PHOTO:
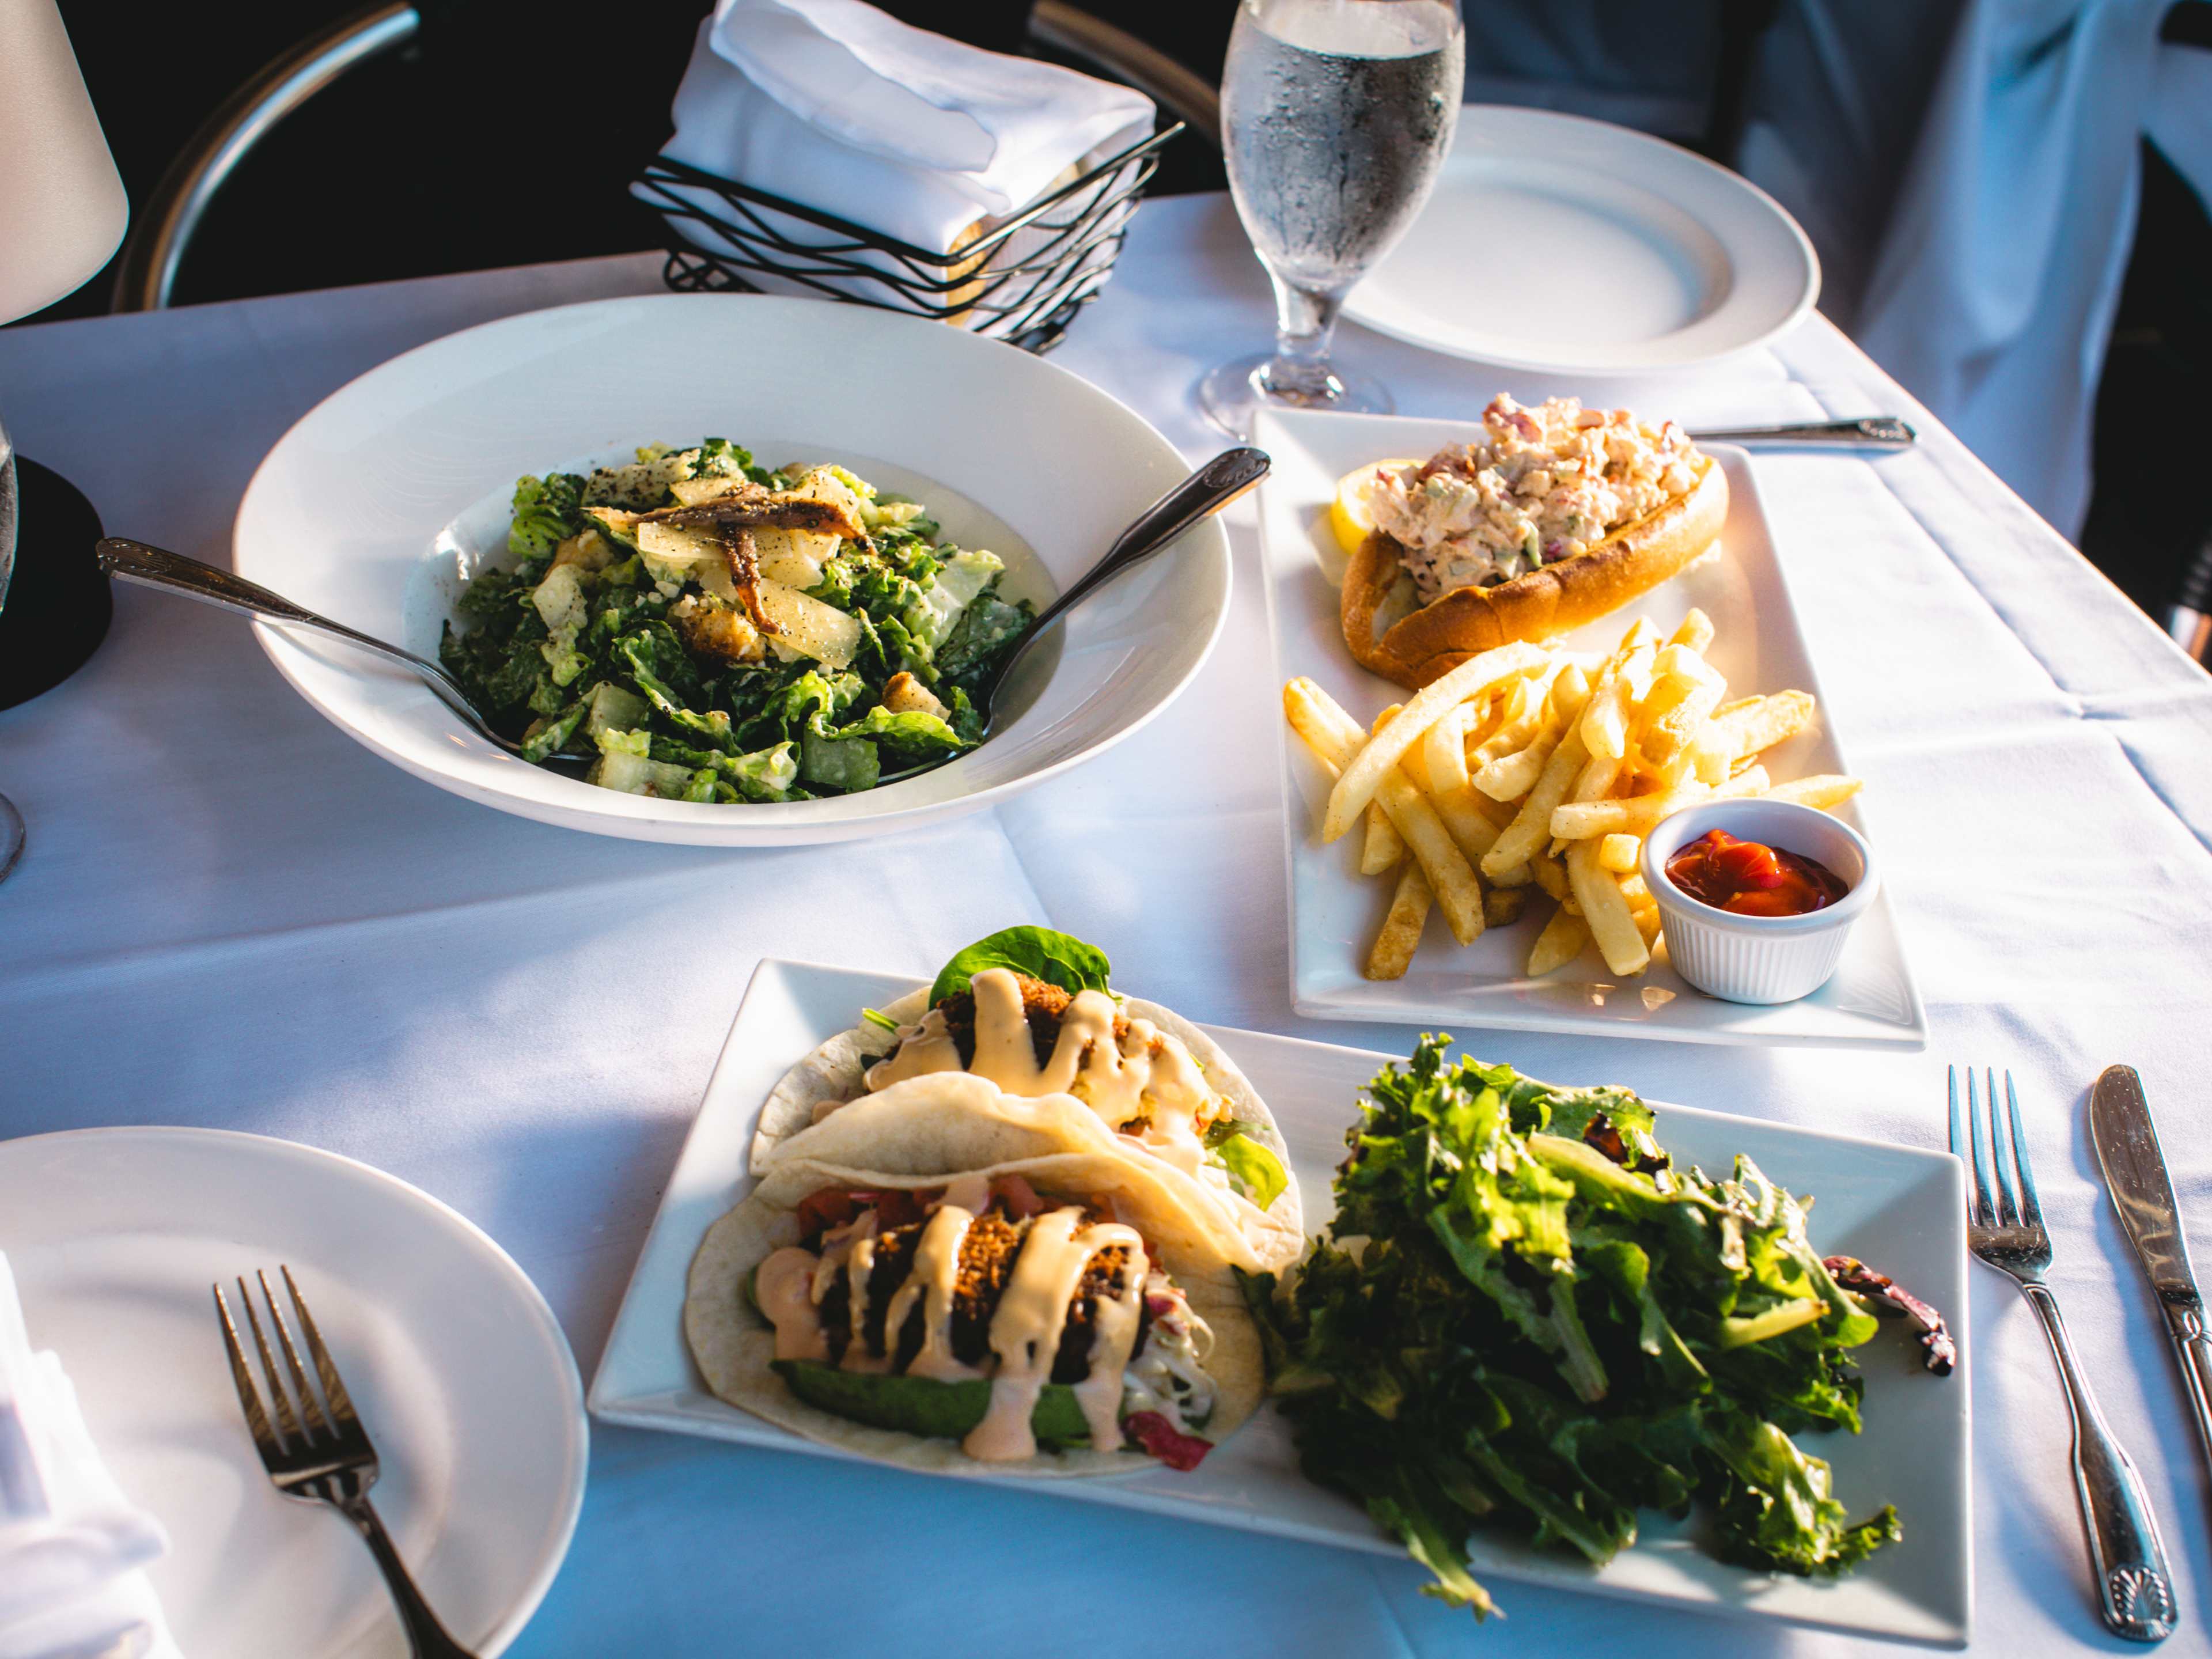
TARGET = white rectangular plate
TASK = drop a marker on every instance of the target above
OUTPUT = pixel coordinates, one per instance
(1336, 911)
(1902, 1208)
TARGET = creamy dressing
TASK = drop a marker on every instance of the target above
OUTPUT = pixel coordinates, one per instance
(970, 1192)
(936, 1265)
(1025, 1332)
(1147, 1078)
(783, 1288)
(922, 1049)
(860, 1262)
(1114, 1333)
(1026, 1329)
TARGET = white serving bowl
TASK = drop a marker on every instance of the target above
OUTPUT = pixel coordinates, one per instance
(1759, 958)
(386, 495)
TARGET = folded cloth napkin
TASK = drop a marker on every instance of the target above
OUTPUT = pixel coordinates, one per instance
(840, 108)
(71, 1546)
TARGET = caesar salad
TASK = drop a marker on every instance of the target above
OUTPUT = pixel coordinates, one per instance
(710, 630)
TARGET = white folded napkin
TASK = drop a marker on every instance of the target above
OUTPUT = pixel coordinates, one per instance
(841, 108)
(71, 1546)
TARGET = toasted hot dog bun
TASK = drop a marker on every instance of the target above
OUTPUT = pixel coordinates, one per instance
(1437, 637)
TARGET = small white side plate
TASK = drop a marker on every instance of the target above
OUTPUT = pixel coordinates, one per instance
(459, 1369)
(1334, 910)
(1902, 1208)
(1561, 245)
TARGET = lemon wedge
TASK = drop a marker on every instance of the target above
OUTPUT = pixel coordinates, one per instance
(1349, 518)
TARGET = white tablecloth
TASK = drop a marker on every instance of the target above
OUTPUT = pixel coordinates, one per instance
(231, 915)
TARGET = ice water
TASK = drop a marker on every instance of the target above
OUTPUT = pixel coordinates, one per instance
(1336, 115)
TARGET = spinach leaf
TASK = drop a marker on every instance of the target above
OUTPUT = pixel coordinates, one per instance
(1039, 952)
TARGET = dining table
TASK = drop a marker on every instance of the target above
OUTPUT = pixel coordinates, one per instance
(231, 914)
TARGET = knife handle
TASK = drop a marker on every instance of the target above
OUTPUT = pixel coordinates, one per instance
(2194, 1348)
(2133, 1584)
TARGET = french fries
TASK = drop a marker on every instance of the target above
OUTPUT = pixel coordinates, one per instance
(1363, 776)
(1380, 853)
(1334, 738)
(1394, 948)
(1531, 770)
(1559, 944)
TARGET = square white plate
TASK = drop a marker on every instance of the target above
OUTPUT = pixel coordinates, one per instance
(1334, 910)
(1901, 1207)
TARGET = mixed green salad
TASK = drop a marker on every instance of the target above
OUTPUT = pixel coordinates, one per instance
(713, 630)
(1524, 1314)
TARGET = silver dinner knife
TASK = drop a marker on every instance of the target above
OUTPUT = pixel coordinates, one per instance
(2135, 1174)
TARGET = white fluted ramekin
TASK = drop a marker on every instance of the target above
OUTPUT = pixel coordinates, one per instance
(1759, 958)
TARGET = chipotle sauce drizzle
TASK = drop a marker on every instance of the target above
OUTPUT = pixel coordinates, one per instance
(1750, 879)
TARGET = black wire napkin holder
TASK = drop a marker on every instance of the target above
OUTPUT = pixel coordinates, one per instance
(1023, 280)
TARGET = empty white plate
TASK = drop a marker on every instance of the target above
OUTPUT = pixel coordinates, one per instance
(1560, 245)
(460, 1374)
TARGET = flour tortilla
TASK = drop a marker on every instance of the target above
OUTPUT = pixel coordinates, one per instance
(823, 1082)
(733, 1345)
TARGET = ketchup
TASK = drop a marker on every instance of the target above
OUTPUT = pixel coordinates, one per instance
(1751, 880)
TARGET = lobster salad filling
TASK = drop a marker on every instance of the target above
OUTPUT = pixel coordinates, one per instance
(1542, 484)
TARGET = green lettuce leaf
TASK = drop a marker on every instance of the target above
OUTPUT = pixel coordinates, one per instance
(1256, 1171)
(1039, 952)
(1526, 1315)
(547, 511)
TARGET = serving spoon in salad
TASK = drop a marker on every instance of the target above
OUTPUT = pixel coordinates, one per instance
(1206, 492)
(1222, 480)
(156, 567)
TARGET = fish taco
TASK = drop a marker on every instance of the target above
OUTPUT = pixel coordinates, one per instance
(1052, 1315)
(1071, 1064)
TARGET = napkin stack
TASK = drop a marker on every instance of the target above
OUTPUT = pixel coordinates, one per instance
(839, 107)
(71, 1546)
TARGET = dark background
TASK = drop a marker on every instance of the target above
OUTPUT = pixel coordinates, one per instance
(507, 133)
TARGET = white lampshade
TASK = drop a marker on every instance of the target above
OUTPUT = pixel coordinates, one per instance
(62, 205)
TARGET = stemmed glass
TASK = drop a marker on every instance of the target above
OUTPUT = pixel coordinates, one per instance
(1335, 115)
(11, 821)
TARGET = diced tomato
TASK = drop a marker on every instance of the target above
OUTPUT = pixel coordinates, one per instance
(833, 1208)
(829, 1207)
(1017, 1196)
(1160, 1437)
(896, 1207)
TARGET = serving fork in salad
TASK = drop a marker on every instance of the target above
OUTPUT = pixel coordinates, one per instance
(156, 567)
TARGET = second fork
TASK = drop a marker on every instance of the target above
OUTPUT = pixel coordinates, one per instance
(2004, 1229)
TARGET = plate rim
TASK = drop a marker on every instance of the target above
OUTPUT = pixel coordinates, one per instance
(1911, 1036)
(576, 1412)
(736, 824)
(1596, 363)
(640, 1412)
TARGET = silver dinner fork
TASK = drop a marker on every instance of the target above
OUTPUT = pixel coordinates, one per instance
(2004, 1228)
(329, 1460)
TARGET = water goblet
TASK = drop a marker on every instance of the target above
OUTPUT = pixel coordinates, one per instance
(1335, 117)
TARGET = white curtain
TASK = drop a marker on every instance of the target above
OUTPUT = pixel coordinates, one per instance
(1976, 245)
